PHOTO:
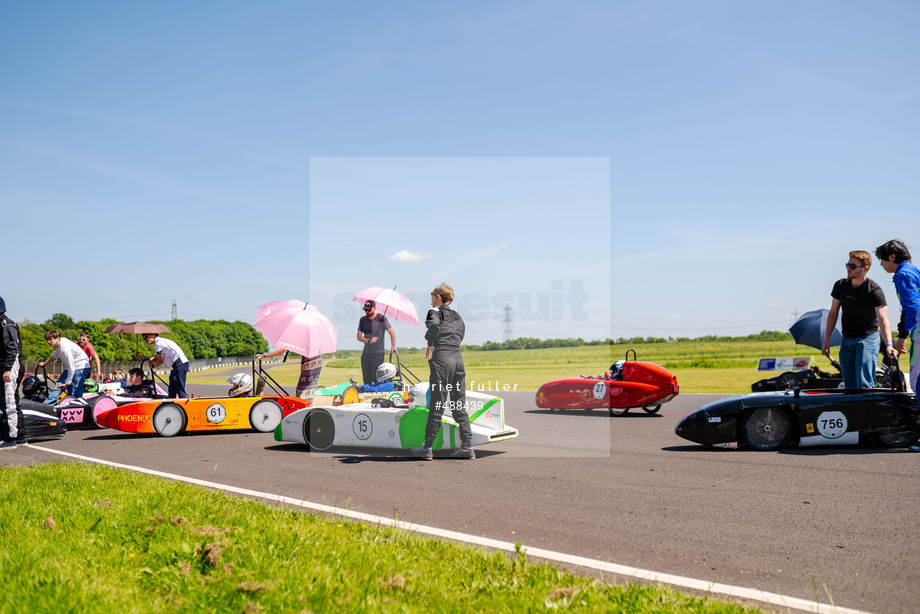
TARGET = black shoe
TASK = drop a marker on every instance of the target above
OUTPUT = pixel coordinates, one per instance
(423, 453)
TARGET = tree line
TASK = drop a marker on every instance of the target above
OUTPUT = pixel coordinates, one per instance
(197, 338)
(530, 343)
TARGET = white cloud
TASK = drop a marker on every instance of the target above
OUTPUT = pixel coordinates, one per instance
(407, 256)
(675, 316)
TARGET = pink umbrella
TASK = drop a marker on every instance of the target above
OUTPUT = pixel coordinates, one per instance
(293, 325)
(390, 303)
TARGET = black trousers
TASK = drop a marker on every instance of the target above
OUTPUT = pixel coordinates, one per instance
(369, 365)
(447, 384)
(177, 380)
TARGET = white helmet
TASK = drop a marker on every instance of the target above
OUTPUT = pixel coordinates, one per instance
(241, 382)
(385, 372)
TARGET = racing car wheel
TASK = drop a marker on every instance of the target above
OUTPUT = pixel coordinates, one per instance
(265, 415)
(787, 381)
(319, 429)
(169, 419)
(766, 428)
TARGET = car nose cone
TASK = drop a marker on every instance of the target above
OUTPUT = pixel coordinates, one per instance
(698, 427)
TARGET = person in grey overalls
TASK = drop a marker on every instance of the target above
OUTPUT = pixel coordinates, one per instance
(447, 380)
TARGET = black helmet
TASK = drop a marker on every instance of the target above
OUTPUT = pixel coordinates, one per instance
(33, 388)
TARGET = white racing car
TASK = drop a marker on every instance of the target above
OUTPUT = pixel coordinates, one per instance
(375, 425)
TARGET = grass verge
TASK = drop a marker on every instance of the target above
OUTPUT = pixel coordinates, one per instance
(84, 538)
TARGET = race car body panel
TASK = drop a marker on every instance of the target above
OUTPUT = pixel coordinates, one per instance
(771, 420)
(640, 384)
(81, 412)
(346, 393)
(368, 425)
(41, 421)
(169, 417)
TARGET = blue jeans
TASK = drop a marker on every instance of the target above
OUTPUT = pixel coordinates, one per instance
(76, 385)
(858, 357)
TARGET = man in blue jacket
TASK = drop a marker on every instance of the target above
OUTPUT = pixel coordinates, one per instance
(895, 258)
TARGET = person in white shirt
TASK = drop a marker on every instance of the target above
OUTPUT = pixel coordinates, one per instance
(76, 363)
(169, 352)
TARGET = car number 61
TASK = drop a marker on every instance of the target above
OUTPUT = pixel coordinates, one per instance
(216, 413)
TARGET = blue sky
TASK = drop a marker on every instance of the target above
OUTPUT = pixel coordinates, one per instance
(715, 160)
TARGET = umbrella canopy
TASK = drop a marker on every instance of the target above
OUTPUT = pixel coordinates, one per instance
(809, 329)
(138, 328)
(293, 325)
(390, 303)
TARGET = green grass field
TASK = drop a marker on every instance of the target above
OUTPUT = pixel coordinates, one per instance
(87, 538)
(715, 367)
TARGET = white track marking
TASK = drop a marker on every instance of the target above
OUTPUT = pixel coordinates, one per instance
(709, 588)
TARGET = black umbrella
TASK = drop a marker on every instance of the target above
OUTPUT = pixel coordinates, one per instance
(809, 329)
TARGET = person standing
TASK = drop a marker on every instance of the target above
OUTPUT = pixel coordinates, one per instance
(865, 315)
(91, 354)
(11, 359)
(447, 375)
(310, 369)
(370, 333)
(168, 352)
(895, 258)
(76, 364)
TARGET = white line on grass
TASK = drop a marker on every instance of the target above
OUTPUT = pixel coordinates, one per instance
(739, 592)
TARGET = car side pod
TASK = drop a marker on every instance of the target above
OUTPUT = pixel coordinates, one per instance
(700, 427)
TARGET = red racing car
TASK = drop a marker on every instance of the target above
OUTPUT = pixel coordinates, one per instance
(629, 383)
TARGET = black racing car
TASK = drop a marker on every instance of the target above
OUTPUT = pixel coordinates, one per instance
(771, 420)
(42, 421)
(814, 378)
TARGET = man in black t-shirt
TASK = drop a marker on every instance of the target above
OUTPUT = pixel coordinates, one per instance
(865, 315)
(370, 332)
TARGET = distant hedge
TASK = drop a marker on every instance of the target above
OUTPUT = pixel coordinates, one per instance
(530, 343)
(197, 338)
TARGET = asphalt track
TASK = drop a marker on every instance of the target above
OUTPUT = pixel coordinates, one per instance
(832, 525)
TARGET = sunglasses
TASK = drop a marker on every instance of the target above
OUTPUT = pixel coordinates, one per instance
(367, 310)
(852, 266)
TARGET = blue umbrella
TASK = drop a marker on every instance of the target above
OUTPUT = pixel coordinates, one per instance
(810, 327)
